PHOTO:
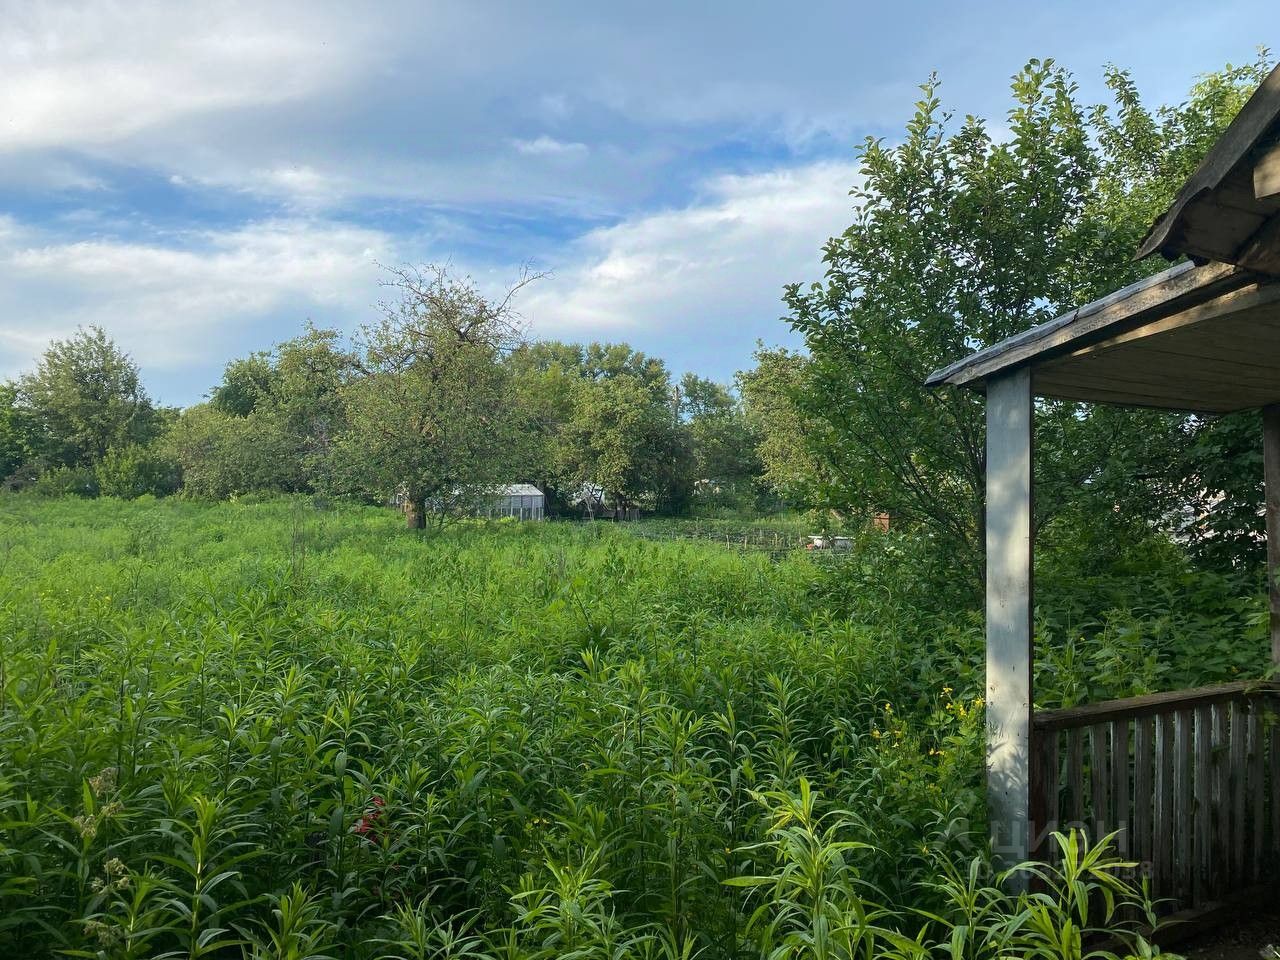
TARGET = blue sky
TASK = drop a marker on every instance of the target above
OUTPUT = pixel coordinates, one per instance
(201, 183)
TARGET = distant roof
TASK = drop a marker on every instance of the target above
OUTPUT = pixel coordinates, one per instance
(519, 490)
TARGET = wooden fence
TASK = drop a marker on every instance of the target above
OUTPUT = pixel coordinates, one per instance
(1190, 780)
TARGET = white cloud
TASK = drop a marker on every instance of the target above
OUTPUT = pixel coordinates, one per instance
(545, 146)
(89, 74)
(715, 268)
(183, 309)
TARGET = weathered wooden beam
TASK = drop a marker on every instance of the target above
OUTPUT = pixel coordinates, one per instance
(1261, 253)
(1009, 614)
(1165, 294)
(1271, 473)
(1150, 704)
(1266, 174)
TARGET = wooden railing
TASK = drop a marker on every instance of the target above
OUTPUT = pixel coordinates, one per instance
(1190, 780)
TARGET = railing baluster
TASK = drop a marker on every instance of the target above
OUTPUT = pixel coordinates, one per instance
(1144, 737)
(1162, 851)
(1257, 790)
(1274, 793)
(1075, 775)
(1239, 831)
(1221, 809)
(1182, 855)
(1044, 793)
(1099, 814)
(1120, 785)
(1202, 829)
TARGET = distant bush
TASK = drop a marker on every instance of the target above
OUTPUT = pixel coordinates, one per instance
(67, 481)
(130, 471)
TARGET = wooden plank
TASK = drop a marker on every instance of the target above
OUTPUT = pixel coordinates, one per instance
(1216, 232)
(1178, 394)
(1100, 820)
(1120, 398)
(1236, 193)
(1227, 363)
(1044, 793)
(1202, 822)
(1245, 298)
(1271, 475)
(1257, 792)
(1075, 774)
(1261, 252)
(1266, 174)
(1221, 813)
(1273, 795)
(1183, 360)
(1165, 840)
(1150, 704)
(1009, 613)
(1175, 288)
(1182, 827)
(1239, 756)
(1121, 813)
(1144, 760)
(1133, 371)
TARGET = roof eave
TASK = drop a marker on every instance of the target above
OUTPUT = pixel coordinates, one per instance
(1169, 291)
(1256, 117)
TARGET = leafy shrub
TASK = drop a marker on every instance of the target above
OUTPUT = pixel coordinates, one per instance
(133, 470)
(66, 482)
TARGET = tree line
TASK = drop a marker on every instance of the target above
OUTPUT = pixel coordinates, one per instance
(434, 405)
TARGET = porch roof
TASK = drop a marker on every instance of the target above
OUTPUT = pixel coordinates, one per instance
(1191, 338)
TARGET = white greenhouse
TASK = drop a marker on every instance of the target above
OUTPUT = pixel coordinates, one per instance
(523, 501)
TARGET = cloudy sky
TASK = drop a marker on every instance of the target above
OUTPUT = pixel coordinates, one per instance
(200, 179)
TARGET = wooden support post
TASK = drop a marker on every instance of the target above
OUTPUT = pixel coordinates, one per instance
(1271, 472)
(1009, 611)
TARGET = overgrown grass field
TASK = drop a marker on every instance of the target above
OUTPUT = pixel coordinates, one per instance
(275, 730)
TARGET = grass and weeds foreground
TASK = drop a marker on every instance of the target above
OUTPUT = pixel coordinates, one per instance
(271, 730)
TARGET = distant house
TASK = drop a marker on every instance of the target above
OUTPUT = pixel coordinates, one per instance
(523, 501)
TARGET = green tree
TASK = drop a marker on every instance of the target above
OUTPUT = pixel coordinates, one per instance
(17, 432)
(431, 417)
(603, 424)
(223, 456)
(959, 240)
(246, 383)
(788, 443)
(625, 442)
(724, 444)
(290, 401)
(133, 470)
(545, 376)
(84, 398)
